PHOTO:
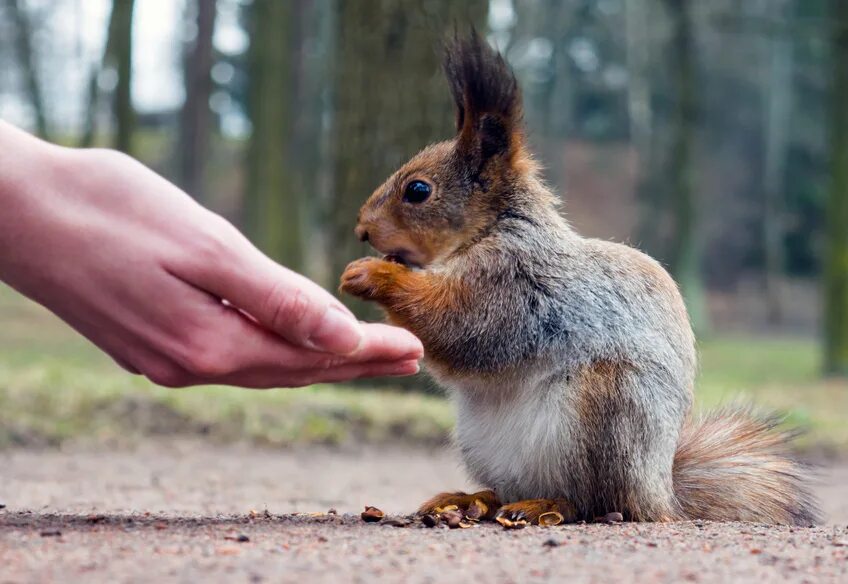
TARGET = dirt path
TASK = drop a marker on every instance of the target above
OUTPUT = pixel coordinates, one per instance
(174, 512)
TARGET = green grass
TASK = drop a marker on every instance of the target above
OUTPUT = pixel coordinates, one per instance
(782, 374)
(55, 387)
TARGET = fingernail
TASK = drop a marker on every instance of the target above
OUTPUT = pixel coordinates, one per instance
(416, 350)
(407, 368)
(336, 333)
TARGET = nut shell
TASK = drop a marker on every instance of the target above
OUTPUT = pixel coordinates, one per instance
(372, 515)
(551, 518)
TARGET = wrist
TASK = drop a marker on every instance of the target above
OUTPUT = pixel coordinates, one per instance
(30, 181)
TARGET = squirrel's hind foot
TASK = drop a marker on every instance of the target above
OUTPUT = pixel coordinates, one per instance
(486, 500)
(530, 510)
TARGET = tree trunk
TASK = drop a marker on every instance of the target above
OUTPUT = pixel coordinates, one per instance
(644, 138)
(778, 87)
(836, 261)
(685, 252)
(273, 209)
(23, 43)
(312, 134)
(195, 116)
(121, 34)
(89, 125)
(390, 100)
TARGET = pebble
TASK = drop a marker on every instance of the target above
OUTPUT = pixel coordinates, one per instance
(241, 538)
(50, 533)
(614, 517)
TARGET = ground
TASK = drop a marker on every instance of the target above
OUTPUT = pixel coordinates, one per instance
(106, 478)
(174, 510)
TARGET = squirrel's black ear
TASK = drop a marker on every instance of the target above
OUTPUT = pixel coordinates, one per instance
(487, 97)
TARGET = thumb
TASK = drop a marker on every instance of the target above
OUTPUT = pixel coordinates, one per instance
(281, 300)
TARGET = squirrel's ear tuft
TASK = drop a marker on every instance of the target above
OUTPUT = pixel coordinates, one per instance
(487, 97)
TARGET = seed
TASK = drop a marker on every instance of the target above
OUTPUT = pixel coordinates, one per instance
(551, 543)
(614, 517)
(452, 518)
(445, 508)
(372, 514)
(476, 510)
(430, 520)
(550, 518)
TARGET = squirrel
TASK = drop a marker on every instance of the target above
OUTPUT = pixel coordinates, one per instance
(571, 361)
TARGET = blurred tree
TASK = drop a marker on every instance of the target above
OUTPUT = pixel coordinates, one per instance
(390, 99)
(646, 124)
(196, 118)
(120, 53)
(272, 206)
(312, 132)
(836, 262)
(777, 89)
(685, 247)
(29, 66)
(92, 97)
(107, 61)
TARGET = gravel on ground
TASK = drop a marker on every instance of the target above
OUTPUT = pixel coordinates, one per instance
(187, 512)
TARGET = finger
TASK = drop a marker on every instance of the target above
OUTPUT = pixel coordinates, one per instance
(274, 378)
(250, 346)
(385, 342)
(222, 340)
(283, 301)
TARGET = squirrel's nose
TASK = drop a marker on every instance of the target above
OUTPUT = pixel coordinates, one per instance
(361, 233)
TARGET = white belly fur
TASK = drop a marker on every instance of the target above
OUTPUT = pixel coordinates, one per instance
(515, 435)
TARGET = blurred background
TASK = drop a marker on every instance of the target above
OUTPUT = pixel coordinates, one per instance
(713, 135)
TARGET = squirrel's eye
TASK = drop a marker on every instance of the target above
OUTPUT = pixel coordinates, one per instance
(416, 191)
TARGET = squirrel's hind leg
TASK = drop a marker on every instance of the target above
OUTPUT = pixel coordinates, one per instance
(530, 510)
(463, 501)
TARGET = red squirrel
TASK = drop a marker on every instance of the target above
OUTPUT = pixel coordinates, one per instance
(571, 361)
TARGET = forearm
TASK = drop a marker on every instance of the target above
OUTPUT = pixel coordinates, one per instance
(28, 170)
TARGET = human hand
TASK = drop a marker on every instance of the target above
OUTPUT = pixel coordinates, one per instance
(141, 269)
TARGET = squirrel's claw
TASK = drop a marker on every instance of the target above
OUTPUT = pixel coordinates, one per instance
(511, 514)
(531, 510)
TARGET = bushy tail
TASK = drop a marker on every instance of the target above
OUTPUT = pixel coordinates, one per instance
(733, 465)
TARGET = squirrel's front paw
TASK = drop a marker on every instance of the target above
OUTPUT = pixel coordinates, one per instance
(369, 278)
(486, 501)
(551, 511)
